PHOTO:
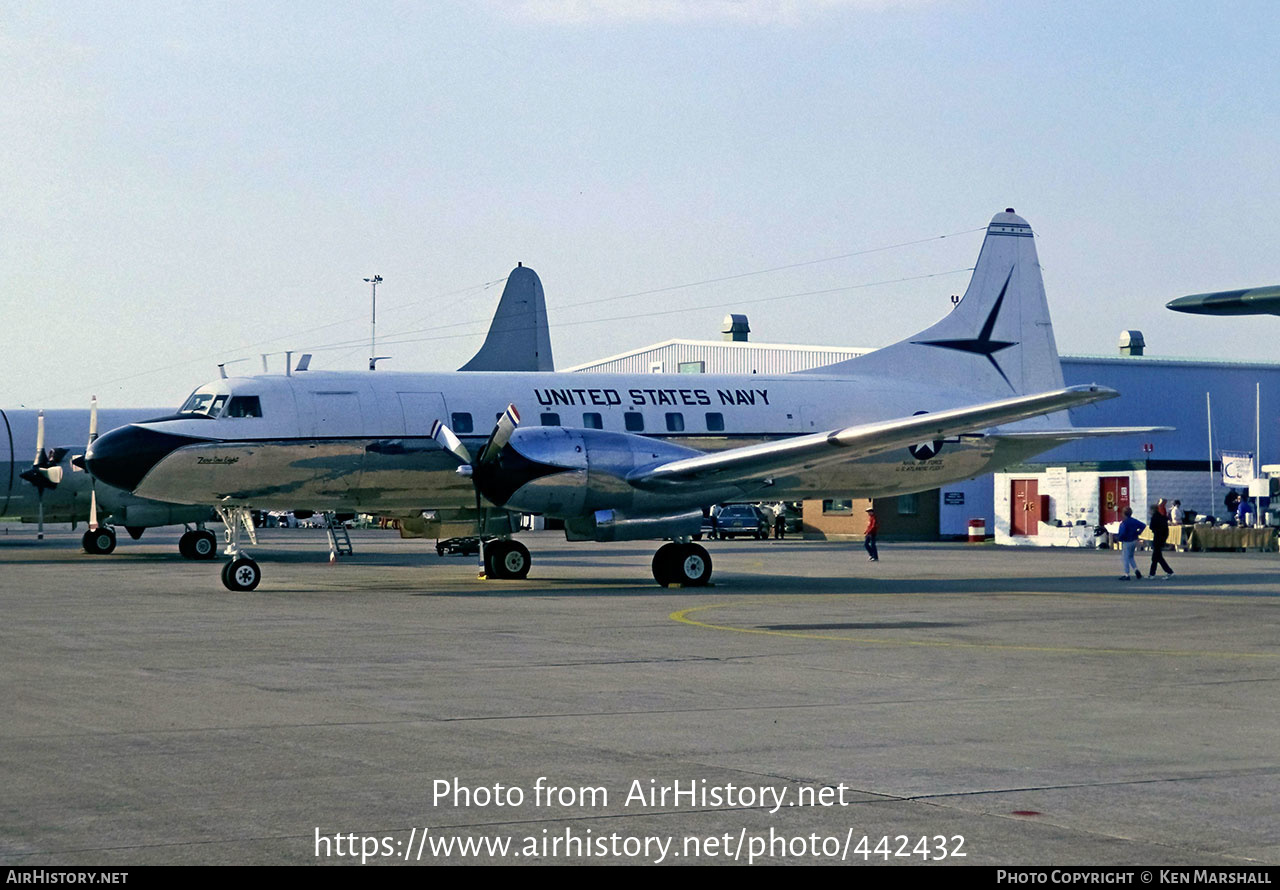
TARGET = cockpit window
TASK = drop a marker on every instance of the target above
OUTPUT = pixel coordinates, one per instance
(204, 404)
(244, 406)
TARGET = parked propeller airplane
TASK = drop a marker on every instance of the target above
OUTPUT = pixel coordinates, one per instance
(54, 487)
(625, 457)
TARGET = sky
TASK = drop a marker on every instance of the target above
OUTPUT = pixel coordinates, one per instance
(194, 183)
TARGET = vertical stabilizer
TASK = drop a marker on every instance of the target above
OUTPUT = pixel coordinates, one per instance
(518, 338)
(998, 339)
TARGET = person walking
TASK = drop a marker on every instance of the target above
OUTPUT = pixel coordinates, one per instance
(869, 536)
(1159, 537)
(1127, 535)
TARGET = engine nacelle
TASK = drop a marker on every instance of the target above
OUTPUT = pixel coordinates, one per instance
(609, 525)
(572, 473)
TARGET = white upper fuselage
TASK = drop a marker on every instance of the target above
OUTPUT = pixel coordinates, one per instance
(360, 440)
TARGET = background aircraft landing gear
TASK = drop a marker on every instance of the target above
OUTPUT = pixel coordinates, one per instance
(506, 559)
(99, 541)
(241, 573)
(201, 544)
(688, 565)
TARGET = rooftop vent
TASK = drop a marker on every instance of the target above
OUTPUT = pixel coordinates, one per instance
(735, 327)
(1131, 343)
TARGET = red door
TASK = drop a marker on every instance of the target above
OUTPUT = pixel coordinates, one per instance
(1024, 499)
(1113, 497)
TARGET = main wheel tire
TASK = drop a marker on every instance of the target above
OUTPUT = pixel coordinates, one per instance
(515, 560)
(507, 559)
(241, 574)
(204, 545)
(664, 570)
(691, 566)
(100, 541)
(184, 546)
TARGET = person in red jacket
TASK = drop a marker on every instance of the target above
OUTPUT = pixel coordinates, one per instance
(869, 536)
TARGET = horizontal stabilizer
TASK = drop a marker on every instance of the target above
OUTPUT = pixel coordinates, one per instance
(754, 463)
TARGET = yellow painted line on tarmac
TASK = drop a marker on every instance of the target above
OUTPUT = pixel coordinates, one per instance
(682, 616)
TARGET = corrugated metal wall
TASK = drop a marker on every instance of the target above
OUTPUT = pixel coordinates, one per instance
(723, 358)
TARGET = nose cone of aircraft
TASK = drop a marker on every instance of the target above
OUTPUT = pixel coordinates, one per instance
(124, 456)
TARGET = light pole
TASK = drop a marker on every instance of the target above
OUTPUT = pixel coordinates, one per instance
(373, 321)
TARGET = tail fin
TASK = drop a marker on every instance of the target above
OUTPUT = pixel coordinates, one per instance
(518, 338)
(998, 338)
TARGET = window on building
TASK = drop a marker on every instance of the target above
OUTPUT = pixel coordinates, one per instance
(715, 422)
(675, 422)
(837, 507)
(462, 422)
(634, 421)
(693, 367)
(550, 418)
(908, 504)
(592, 420)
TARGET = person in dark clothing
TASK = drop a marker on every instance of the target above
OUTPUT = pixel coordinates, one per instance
(1159, 526)
(1231, 501)
(869, 536)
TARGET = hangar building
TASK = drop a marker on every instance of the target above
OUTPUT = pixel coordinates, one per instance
(1074, 487)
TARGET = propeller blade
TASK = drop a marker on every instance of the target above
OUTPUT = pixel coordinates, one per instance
(39, 459)
(450, 442)
(45, 471)
(93, 482)
(501, 435)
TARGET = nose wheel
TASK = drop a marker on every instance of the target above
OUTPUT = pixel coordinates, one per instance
(241, 574)
(682, 565)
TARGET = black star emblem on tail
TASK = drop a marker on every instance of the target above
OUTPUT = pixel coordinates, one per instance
(982, 344)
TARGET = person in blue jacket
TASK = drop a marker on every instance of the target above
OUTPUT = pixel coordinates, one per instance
(1130, 528)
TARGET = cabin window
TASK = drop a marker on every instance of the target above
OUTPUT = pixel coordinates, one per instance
(675, 422)
(550, 419)
(592, 420)
(244, 406)
(634, 421)
(715, 422)
(462, 422)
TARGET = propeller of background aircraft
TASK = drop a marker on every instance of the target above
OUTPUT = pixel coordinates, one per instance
(45, 472)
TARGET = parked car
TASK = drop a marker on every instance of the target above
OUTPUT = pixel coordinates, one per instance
(738, 520)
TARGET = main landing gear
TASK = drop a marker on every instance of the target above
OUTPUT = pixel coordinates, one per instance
(682, 564)
(240, 573)
(506, 559)
(198, 544)
(99, 541)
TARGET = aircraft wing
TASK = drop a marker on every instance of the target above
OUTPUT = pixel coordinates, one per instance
(756, 462)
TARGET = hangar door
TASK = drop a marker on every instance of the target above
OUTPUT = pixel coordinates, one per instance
(1113, 497)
